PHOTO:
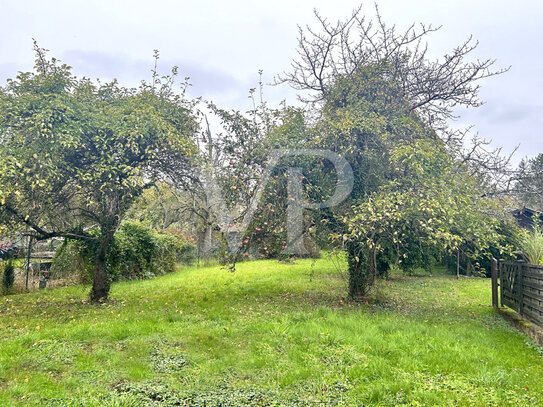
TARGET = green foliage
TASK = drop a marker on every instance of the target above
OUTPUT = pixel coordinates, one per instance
(152, 392)
(531, 245)
(73, 257)
(75, 154)
(506, 248)
(162, 207)
(430, 207)
(360, 280)
(266, 236)
(386, 110)
(529, 185)
(68, 141)
(8, 278)
(137, 252)
(413, 201)
(168, 358)
(111, 400)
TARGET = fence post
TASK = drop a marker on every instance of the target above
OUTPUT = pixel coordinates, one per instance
(501, 263)
(520, 277)
(494, 275)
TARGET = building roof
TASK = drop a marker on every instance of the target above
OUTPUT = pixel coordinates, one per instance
(526, 217)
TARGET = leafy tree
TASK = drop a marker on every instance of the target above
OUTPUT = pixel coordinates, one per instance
(245, 144)
(74, 154)
(429, 208)
(385, 107)
(163, 207)
(235, 155)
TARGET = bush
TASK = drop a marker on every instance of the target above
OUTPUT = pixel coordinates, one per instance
(531, 243)
(187, 251)
(9, 276)
(137, 252)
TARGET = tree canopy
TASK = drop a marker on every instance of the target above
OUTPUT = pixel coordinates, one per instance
(382, 104)
(529, 182)
(74, 154)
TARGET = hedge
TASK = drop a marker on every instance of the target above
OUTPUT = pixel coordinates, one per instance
(137, 252)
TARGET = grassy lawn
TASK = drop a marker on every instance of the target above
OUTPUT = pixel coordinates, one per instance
(269, 335)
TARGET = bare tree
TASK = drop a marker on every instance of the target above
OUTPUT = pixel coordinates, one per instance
(432, 87)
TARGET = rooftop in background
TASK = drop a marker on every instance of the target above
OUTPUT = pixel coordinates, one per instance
(525, 217)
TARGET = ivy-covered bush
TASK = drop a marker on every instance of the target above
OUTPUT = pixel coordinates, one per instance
(137, 252)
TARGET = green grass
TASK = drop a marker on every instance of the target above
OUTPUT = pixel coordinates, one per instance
(269, 335)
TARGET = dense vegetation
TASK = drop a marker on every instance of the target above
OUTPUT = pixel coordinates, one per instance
(529, 185)
(134, 182)
(78, 157)
(137, 252)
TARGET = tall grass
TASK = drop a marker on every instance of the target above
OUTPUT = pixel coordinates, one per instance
(531, 244)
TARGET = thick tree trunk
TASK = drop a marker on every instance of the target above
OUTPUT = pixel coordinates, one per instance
(357, 287)
(101, 282)
(361, 270)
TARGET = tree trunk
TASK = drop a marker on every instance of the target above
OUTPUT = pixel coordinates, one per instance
(100, 281)
(458, 264)
(207, 240)
(361, 271)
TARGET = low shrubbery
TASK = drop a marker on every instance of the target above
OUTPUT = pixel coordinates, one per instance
(137, 252)
(531, 245)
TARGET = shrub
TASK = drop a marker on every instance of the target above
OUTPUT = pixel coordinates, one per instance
(137, 252)
(9, 276)
(73, 256)
(187, 250)
(531, 244)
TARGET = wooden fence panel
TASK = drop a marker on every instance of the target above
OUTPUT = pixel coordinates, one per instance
(521, 289)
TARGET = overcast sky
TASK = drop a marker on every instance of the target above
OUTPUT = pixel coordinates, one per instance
(221, 45)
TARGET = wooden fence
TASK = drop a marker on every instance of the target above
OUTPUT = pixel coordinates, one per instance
(521, 289)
